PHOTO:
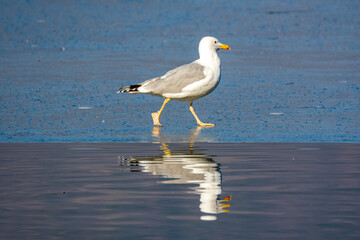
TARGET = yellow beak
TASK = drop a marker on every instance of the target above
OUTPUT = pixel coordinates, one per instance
(224, 46)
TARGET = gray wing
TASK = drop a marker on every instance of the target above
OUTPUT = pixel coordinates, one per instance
(174, 80)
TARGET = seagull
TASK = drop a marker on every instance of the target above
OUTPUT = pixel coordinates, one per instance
(187, 82)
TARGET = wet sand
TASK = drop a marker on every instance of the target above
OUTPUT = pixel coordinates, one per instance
(292, 74)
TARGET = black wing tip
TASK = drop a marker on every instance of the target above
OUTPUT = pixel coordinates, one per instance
(131, 88)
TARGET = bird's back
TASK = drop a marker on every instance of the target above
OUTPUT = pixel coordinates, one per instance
(175, 80)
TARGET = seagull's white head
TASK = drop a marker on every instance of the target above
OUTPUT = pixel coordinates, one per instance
(210, 45)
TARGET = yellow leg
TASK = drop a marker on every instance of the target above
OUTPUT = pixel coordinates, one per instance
(198, 120)
(156, 115)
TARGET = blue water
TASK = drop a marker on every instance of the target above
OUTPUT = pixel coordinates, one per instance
(292, 74)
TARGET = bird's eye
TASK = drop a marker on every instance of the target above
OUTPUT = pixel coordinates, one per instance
(215, 41)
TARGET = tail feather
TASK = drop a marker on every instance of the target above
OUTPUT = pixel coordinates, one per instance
(130, 89)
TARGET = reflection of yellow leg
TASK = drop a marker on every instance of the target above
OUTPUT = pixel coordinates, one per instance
(156, 115)
(166, 150)
(198, 120)
(156, 131)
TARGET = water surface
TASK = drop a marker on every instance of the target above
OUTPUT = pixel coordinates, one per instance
(292, 74)
(179, 191)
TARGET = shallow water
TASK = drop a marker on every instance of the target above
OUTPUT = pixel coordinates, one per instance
(179, 191)
(292, 74)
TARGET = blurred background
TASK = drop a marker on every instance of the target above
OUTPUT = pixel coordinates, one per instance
(292, 74)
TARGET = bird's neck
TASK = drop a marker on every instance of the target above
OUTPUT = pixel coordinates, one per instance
(207, 57)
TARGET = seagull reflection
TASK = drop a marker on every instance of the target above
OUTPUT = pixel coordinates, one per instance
(184, 166)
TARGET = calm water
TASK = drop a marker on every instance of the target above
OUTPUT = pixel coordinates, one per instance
(179, 191)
